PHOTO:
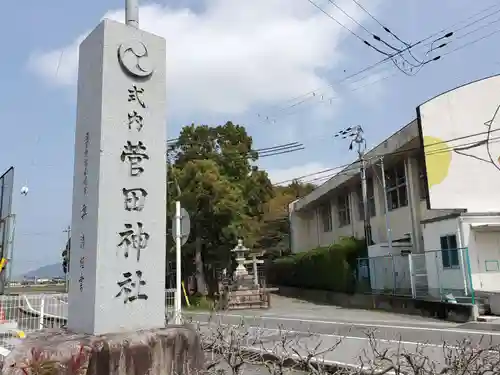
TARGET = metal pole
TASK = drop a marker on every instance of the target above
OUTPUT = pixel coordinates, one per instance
(3, 240)
(386, 206)
(412, 276)
(10, 252)
(178, 278)
(132, 13)
(42, 312)
(462, 255)
(364, 192)
(68, 256)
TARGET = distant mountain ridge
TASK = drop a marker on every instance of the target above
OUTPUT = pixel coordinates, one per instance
(46, 272)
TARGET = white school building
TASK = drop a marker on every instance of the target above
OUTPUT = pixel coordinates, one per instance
(441, 234)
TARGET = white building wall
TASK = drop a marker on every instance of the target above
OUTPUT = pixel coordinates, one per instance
(400, 221)
(439, 279)
(484, 250)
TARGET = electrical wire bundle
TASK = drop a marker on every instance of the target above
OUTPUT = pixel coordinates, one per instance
(352, 169)
(396, 49)
(439, 40)
(286, 148)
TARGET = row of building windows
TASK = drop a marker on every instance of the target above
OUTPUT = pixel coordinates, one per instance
(449, 251)
(397, 197)
(449, 248)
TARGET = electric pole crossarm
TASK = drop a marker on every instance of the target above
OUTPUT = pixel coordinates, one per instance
(356, 134)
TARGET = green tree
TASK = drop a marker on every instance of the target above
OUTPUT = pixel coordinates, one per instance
(221, 189)
(65, 257)
(275, 228)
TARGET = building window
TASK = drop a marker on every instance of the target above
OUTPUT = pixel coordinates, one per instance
(423, 188)
(371, 199)
(396, 187)
(326, 217)
(449, 252)
(343, 210)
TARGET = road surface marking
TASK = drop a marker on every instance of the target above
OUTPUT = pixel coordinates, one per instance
(416, 343)
(365, 338)
(352, 324)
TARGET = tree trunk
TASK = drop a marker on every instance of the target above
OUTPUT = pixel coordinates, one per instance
(201, 284)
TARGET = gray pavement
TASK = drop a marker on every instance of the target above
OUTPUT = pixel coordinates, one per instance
(350, 330)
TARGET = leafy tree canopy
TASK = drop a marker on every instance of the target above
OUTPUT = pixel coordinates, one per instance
(219, 185)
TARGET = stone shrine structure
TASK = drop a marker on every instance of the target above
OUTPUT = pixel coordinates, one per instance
(116, 305)
(245, 291)
(117, 269)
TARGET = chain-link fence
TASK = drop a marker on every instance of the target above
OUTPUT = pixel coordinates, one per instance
(437, 275)
(384, 275)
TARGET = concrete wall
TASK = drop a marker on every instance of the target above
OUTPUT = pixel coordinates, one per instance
(440, 279)
(307, 222)
(454, 312)
(484, 250)
(402, 221)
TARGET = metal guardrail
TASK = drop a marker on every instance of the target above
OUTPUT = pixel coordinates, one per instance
(22, 314)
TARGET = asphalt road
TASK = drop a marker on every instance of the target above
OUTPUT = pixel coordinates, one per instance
(352, 331)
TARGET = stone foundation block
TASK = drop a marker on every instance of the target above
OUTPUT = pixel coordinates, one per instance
(173, 350)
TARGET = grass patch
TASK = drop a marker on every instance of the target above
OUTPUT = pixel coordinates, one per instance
(199, 302)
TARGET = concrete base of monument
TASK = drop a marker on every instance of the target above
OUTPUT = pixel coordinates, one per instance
(174, 350)
(255, 298)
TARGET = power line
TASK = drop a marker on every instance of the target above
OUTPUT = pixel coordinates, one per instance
(384, 60)
(172, 143)
(434, 152)
(296, 146)
(354, 166)
(364, 41)
(354, 170)
(332, 98)
(379, 39)
(472, 42)
(250, 155)
(348, 16)
(336, 21)
(386, 29)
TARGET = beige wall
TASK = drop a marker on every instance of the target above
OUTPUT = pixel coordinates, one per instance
(400, 219)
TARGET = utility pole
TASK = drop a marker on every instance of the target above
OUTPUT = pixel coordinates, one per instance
(178, 253)
(355, 133)
(68, 255)
(386, 206)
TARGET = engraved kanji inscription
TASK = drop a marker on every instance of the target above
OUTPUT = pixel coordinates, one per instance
(86, 164)
(130, 287)
(81, 279)
(83, 211)
(133, 237)
(82, 241)
(135, 120)
(135, 155)
(134, 199)
(135, 94)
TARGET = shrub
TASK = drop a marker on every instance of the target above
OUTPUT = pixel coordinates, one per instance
(327, 268)
(200, 302)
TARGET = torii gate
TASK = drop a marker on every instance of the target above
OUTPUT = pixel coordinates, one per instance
(254, 261)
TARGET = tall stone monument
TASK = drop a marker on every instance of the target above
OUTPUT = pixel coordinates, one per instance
(117, 269)
(116, 306)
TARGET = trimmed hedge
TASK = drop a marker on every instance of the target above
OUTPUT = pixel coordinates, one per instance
(327, 268)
